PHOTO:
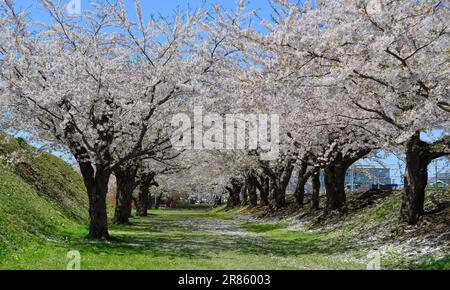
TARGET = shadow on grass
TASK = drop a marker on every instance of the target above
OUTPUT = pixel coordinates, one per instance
(173, 237)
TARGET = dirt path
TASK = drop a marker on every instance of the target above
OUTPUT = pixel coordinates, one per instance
(227, 244)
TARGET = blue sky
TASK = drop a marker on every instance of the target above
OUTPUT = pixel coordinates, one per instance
(155, 7)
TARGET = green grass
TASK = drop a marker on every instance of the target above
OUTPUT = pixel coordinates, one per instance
(58, 183)
(25, 215)
(426, 263)
(188, 239)
(40, 197)
(182, 239)
(263, 228)
(389, 207)
(433, 264)
(218, 213)
(43, 215)
(51, 177)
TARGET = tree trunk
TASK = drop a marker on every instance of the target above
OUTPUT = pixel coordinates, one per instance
(251, 189)
(265, 185)
(150, 200)
(416, 178)
(303, 176)
(143, 198)
(125, 180)
(315, 189)
(300, 191)
(335, 184)
(144, 202)
(262, 184)
(244, 195)
(234, 191)
(158, 201)
(335, 178)
(96, 183)
(285, 178)
(279, 185)
(278, 195)
(233, 198)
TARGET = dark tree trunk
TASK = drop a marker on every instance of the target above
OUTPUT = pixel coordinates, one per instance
(143, 199)
(416, 178)
(151, 202)
(279, 198)
(419, 154)
(262, 184)
(234, 191)
(245, 194)
(265, 185)
(315, 189)
(300, 191)
(279, 183)
(125, 180)
(144, 202)
(303, 176)
(251, 189)
(233, 199)
(158, 200)
(285, 178)
(278, 195)
(96, 183)
(335, 178)
(335, 184)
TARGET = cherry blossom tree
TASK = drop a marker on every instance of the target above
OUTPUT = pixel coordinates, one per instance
(167, 162)
(346, 78)
(357, 76)
(287, 73)
(99, 84)
(392, 61)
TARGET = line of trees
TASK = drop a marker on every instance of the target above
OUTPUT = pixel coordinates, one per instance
(346, 77)
(103, 86)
